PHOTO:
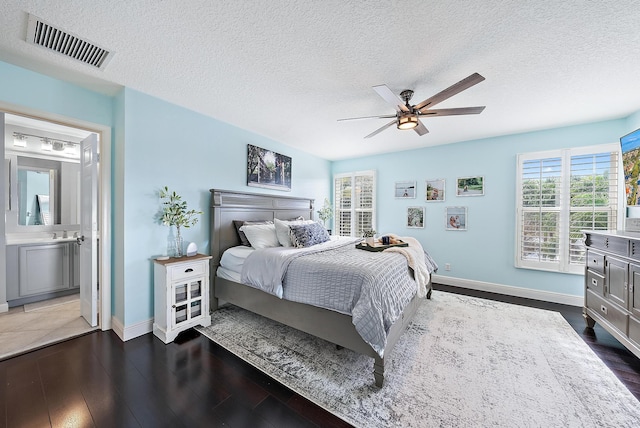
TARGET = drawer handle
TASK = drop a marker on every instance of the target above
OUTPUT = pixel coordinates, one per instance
(603, 309)
(594, 282)
(188, 270)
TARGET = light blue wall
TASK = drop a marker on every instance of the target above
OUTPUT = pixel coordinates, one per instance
(485, 252)
(165, 144)
(33, 90)
(156, 143)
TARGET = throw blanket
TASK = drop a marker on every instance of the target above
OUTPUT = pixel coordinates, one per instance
(416, 258)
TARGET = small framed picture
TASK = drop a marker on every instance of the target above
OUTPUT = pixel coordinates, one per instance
(405, 189)
(456, 218)
(470, 186)
(415, 217)
(435, 190)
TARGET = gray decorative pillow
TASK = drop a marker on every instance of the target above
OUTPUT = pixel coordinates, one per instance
(306, 235)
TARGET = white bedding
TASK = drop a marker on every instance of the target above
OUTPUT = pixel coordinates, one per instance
(233, 258)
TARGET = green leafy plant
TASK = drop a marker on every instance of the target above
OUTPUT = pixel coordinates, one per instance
(326, 212)
(175, 212)
(368, 233)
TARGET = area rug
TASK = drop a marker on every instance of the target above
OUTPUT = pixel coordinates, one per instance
(463, 362)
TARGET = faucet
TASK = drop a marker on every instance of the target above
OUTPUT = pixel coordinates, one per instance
(75, 234)
(64, 234)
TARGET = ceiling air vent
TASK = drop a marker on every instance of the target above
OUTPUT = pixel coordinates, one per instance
(54, 39)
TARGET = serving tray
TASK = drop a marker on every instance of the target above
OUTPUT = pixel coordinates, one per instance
(378, 247)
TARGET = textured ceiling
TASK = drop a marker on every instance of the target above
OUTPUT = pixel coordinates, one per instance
(289, 69)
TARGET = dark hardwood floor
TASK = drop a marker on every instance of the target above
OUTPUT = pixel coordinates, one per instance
(97, 380)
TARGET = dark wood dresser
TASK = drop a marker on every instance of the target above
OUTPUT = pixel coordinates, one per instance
(612, 285)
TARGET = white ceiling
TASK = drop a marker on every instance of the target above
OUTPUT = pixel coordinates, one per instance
(288, 70)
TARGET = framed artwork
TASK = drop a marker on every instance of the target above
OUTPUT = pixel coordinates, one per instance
(435, 190)
(415, 217)
(456, 218)
(268, 169)
(470, 186)
(405, 189)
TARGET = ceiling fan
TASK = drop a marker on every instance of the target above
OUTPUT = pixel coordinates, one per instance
(408, 116)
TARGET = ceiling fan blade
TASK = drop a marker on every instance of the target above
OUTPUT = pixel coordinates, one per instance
(421, 129)
(382, 128)
(451, 111)
(390, 97)
(456, 88)
(389, 116)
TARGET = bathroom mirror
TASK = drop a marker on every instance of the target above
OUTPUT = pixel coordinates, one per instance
(35, 186)
(43, 192)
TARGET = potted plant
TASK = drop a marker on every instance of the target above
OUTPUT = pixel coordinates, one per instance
(175, 213)
(369, 236)
(325, 213)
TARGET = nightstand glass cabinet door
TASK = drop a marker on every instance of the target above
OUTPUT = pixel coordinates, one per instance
(187, 301)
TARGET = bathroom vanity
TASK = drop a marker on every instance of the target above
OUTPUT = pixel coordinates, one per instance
(39, 269)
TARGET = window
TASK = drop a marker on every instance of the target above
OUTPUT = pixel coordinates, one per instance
(559, 194)
(355, 202)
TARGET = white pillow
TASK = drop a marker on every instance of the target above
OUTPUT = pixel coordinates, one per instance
(282, 230)
(261, 235)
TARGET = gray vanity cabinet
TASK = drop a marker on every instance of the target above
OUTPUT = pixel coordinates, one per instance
(44, 268)
(41, 271)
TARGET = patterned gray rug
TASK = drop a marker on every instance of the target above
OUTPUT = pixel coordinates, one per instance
(464, 362)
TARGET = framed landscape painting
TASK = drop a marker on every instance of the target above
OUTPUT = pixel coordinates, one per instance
(415, 217)
(470, 186)
(405, 189)
(435, 190)
(268, 169)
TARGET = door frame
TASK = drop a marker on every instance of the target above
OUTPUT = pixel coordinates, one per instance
(104, 200)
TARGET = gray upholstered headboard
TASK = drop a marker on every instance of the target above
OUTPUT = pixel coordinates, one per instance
(227, 206)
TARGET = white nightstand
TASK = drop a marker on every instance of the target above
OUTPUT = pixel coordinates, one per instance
(181, 296)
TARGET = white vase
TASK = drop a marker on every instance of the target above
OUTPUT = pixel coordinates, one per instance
(370, 240)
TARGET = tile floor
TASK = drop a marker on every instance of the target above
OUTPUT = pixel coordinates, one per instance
(28, 327)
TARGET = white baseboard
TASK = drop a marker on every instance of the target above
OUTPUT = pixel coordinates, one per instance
(132, 331)
(4, 307)
(509, 290)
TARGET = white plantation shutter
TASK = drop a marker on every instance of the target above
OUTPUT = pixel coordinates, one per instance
(354, 196)
(560, 194)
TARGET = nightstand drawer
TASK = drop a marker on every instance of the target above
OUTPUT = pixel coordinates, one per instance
(595, 282)
(608, 311)
(595, 262)
(186, 270)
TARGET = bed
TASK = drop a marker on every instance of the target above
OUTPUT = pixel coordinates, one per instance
(335, 327)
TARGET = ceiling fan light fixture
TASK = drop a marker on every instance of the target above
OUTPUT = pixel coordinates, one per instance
(408, 121)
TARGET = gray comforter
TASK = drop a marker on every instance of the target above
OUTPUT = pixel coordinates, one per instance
(372, 287)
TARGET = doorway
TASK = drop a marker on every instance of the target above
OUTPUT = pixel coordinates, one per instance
(50, 142)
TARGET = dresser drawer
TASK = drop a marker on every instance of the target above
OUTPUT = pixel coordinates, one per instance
(595, 262)
(634, 330)
(614, 244)
(618, 318)
(595, 282)
(186, 270)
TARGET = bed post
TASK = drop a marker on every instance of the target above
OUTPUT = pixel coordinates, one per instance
(215, 248)
(378, 370)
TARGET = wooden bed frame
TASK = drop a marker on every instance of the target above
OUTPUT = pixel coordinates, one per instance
(332, 326)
